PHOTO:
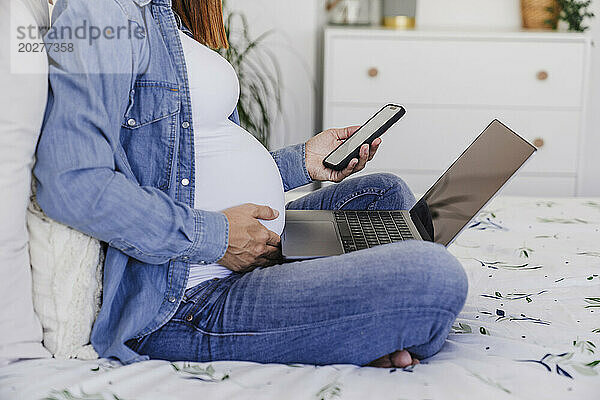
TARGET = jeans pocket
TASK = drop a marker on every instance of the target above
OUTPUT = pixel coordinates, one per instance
(201, 306)
(195, 297)
(193, 294)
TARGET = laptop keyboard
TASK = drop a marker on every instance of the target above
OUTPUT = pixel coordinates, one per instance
(364, 229)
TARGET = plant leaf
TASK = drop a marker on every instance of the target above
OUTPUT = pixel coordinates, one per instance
(583, 370)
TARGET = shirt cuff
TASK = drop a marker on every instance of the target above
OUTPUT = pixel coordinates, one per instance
(291, 162)
(211, 235)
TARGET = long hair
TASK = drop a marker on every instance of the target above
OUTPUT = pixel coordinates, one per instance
(205, 19)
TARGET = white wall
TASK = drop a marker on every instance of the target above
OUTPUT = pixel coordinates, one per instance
(496, 14)
(299, 48)
(591, 159)
(295, 44)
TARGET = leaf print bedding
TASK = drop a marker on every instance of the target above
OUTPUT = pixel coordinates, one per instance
(530, 329)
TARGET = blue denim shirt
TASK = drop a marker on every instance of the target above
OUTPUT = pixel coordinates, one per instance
(115, 150)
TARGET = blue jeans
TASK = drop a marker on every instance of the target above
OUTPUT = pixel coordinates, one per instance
(349, 309)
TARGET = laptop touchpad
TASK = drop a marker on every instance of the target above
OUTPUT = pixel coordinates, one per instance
(310, 239)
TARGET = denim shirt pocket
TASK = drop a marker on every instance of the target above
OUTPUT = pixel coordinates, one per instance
(149, 131)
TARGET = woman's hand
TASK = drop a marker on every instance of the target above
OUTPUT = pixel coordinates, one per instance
(319, 147)
(251, 245)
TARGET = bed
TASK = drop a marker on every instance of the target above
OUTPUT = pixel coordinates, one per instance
(530, 329)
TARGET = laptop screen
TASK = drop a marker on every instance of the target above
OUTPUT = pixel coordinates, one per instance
(474, 178)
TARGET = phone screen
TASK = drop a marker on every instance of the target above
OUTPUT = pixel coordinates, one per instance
(362, 134)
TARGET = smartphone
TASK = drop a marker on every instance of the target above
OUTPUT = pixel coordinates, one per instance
(379, 123)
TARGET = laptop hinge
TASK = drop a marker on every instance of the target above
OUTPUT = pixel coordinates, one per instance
(421, 212)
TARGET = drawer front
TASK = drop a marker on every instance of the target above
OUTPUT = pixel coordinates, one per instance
(430, 139)
(452, 72)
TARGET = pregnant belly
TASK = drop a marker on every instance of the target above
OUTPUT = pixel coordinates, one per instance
(233, 168)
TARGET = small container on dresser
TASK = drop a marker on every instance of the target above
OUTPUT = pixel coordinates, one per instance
(452, 85)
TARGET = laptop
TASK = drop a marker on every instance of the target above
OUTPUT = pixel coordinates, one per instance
(440, 216)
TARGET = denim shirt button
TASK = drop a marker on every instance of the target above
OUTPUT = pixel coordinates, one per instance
(185, 125)
(189, 317)
(172, 299)
(131, 122)
(185, 181)
(186, 258)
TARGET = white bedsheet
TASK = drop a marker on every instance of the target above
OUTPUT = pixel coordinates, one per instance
(530, 330)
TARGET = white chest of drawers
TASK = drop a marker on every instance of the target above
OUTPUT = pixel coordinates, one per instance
(452, 85)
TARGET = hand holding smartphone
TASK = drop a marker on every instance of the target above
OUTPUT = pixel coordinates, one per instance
(376, 126)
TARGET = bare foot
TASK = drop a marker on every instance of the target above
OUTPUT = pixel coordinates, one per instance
(398, 359)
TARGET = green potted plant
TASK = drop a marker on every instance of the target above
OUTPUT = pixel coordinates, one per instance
(259, 75)
(573, 14)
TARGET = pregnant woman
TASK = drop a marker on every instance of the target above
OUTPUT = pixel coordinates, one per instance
(141, 148)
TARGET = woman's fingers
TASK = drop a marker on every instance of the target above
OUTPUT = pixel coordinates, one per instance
(274, 239)
(363, 158)
(338, 176)
(263, 212)
(267, 261)
(272, 253)
(357, 164)
(346, 172)
(271, 257)
(374, 147)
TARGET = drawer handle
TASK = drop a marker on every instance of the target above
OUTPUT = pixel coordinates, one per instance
(542, 75)
(373, 72)
(538, 142)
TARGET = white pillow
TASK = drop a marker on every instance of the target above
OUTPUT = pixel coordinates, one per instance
(22, 104)
(67, 284)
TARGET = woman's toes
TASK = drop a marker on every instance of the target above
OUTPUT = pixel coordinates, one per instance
(383, 362)
(397, 359)
(401, 359)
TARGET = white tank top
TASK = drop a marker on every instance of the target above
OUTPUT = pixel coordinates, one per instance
(232, 167)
